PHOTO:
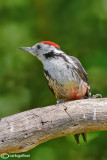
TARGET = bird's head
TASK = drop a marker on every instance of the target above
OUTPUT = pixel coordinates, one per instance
(43, 50)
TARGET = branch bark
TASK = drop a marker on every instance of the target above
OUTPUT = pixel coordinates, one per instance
(23, 131)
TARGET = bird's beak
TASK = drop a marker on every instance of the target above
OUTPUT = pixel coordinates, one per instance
(29, 49)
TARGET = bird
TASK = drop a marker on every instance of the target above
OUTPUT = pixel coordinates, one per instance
(65, 75)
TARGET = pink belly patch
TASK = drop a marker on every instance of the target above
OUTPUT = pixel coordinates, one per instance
(74, 92)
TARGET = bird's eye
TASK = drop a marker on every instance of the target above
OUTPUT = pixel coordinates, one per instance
(38, 46)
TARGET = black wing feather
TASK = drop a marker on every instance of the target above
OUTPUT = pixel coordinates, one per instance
(82, 74)
(81, 70)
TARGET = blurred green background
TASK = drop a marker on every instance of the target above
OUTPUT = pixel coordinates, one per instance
(80, 28)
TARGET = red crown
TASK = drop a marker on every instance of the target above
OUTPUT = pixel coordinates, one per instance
(50, 43)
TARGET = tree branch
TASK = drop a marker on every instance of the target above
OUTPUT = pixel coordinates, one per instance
(23, 131)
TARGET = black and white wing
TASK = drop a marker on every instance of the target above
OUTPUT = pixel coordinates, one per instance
(82, 73)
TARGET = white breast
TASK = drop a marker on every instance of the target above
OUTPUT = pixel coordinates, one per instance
(60, 70)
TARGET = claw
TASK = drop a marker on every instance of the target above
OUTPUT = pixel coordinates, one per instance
(59, 101)
(84, 136)
(97, 96)
(77, 138)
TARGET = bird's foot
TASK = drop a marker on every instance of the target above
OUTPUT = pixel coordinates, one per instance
(97, 96)
(59, 101)
(77, 137)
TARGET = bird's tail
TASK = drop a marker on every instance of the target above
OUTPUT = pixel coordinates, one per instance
(77, 137)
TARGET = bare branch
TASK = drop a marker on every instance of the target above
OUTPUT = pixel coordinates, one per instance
(23, 131)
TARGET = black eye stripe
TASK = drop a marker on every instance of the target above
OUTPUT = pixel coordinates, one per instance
(38, 46)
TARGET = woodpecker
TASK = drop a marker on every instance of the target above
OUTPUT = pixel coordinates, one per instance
(65, 75)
